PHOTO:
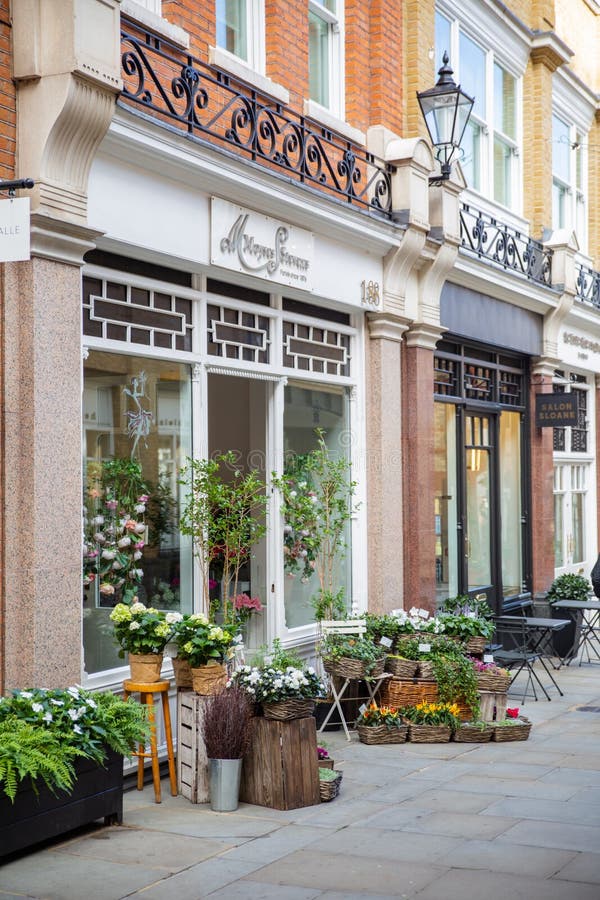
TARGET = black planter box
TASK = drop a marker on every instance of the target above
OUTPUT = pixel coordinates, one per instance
(566, 641)
(97, 793)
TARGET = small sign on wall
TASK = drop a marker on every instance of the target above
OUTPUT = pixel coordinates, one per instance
(555, 410)
(14, 229)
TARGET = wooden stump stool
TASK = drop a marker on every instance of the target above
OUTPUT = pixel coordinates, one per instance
(147, 690)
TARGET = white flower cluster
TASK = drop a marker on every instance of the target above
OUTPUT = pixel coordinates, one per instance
(268, 685)
(418, 620)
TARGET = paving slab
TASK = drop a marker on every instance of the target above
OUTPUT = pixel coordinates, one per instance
(583, 867)
(553, 834)
(465, 825)
(254, 890)
(380, 843)
(200, 881)
(547, 810)
(494, 856)
(460, 884)
(270, 847)
(483, 784)
(349, 873)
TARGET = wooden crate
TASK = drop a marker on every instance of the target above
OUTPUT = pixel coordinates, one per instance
(192, 762)
(493, 706)
(280, 770)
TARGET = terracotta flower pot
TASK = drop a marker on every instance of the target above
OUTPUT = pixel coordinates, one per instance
(145, 667)
(209, 679)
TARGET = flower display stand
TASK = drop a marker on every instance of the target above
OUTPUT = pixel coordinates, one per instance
(492, 705)
(192, 762)
(280, 769)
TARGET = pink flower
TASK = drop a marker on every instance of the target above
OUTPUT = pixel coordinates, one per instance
(212, 584)
(243, 601)
(143, 498)
(512, 713)
(130, 525)
(112, 504)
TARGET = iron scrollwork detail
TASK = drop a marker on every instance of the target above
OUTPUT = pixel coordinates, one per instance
(588, 286)
(184, 93)
(489, 239)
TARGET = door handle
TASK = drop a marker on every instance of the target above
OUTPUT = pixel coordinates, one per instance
(467, 548)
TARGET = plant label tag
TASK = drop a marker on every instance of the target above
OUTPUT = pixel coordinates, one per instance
(424, 648)
(385, 642)
(488, 657)
(268, 660)
(362, 708)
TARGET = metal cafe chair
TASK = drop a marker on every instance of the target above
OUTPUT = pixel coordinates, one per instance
(517, 655)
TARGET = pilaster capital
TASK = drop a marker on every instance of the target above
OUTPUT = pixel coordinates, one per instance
(423, 335)
(61, 240)
(386, 327)
(548, 49)
(564, 246)
(542, 369)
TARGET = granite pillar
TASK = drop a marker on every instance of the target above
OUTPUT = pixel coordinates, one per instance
(542, 485)
(41, 461)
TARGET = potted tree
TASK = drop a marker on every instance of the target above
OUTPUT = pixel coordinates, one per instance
(227, 732)
(316, 493)
(568, 587)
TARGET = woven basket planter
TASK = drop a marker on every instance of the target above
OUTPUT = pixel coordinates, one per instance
(183, 673)
(209, 679)
(471, 734)
(354, 668)
(398, 692)
(498, 684)
(475, 645)
(288, 709)
(381, 734)
(328, 790)
(426, 670)
(145, 667)
(429, 734)
(402, 668)
(515, 732)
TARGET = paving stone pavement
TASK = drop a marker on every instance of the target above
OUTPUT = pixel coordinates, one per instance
(508, 821)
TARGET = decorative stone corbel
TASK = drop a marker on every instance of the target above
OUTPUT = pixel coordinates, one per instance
(564, 246)
(67, 73)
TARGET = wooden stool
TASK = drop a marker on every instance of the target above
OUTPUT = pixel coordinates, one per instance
(147, 690)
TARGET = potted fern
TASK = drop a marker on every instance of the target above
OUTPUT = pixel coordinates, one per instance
(61, 761)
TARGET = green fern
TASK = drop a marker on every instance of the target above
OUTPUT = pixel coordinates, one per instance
(30, 752)
(120, 724)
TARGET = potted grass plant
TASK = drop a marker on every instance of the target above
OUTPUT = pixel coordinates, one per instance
(227, 718)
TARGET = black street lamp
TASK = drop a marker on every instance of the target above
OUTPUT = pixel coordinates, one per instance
(446, 110)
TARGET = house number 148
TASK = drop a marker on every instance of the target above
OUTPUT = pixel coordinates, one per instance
(369, 293)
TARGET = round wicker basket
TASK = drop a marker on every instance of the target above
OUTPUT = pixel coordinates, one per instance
(354, 668)
(471, 734)
(402, 668)
(288, 709)
(429, 734)
(328, 790)
(516, 732)
(381, 734)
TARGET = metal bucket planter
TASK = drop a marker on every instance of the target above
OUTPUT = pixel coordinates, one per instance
(224, 784)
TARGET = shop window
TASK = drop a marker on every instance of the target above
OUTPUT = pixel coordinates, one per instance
(573, 439)
(136, 436)
(491, 143)
(325, 49)
(307, 409)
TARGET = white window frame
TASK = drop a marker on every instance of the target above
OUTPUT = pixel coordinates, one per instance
(336, 68)
(275, 373)
(255, 30)
(504, 46)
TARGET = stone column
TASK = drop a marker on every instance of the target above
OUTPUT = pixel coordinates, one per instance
(542, 475)
(418, 454)
(384, 462)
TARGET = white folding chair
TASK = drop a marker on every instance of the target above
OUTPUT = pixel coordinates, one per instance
(356, 627)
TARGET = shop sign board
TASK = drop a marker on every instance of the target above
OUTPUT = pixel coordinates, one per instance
(555, 410)
(246, 241)
(14, 229)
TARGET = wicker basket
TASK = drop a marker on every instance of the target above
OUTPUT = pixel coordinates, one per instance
(325, 763)
(429, 734)
(381, 734)
(398, 692)
(471, 734)
(426, 670)
(498, 684)
(288, 709)
(183, 673)
(328, 790)
(354, 668)
(402, 668)
(475, 645)
(513, 732)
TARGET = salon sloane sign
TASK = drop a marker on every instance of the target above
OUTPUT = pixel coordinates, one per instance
(246, 241)
(556, 410)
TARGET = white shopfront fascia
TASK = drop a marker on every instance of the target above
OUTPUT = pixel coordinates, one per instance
(146, 216)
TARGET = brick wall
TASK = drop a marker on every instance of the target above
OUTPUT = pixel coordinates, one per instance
(419, 68)
(537, 146)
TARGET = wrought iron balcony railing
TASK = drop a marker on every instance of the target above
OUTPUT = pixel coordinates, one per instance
(588, 286)
(184, 94)
(491, 240)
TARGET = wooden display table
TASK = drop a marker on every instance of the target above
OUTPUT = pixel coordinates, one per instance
(280, 769)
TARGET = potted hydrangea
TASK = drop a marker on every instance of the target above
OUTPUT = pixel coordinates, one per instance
(143, 633)
(205, 646)
(284, 694)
